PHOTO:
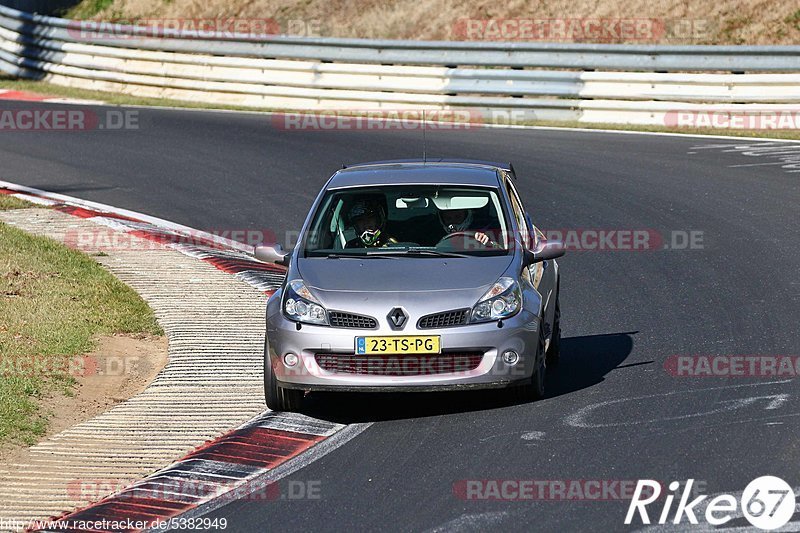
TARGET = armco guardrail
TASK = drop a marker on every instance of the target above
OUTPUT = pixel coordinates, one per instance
(297, 73)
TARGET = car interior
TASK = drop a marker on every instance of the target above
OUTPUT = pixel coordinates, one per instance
(412, 215)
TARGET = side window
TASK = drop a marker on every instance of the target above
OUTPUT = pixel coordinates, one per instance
(337, 227)
(519, 213)
(329, 230)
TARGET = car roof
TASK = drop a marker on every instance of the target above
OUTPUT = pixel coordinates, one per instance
(407, 171)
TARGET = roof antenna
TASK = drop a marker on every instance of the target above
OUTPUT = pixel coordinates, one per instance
(424, 146)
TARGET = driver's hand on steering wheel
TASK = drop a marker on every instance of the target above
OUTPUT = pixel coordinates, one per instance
(483, 238)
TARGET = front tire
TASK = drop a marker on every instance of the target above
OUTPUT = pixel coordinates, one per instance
(279, 398)
(554, 348)
(533, 388)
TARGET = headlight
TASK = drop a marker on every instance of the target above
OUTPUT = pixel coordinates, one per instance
(503, 300)
(300, 305)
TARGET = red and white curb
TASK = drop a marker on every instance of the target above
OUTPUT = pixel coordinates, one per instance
(241, 464)
(225, 254)
(246, 463)
(24, 96)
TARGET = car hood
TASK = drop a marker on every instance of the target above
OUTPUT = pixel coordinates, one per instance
(402, 274)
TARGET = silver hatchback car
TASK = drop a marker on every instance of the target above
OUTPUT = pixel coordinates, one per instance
(414, 276)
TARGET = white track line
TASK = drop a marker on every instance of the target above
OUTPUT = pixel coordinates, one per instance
(492, 126)
(160, 222)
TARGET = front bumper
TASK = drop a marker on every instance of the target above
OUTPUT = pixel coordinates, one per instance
(519, 333)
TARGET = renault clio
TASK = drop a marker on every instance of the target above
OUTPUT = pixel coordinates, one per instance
(414, 276)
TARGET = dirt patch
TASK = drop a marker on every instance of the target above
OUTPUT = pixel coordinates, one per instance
(666, 22)
(55, 304)
(121, 367)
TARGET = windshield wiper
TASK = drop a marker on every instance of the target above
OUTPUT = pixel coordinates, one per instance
(359, 256)
(417, 252)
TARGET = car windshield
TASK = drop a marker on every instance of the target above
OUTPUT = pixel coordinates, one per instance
(408, 220)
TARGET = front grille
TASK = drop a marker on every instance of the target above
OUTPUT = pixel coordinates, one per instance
(444, 320)
(349, 320)
(399, 365)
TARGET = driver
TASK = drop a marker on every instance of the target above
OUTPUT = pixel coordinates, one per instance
(459, 221)
(368, 219)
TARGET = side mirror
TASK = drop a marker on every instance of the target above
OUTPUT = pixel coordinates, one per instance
(272, 254)
(547, 250)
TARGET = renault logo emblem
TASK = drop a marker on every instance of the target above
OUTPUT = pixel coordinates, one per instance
(397, 318)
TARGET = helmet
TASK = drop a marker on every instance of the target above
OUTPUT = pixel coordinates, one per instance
(461, 226)
(363, 208)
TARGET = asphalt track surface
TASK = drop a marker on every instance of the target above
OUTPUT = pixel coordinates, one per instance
(624, 312)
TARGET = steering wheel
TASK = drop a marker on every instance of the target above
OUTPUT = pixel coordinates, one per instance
(469, 240)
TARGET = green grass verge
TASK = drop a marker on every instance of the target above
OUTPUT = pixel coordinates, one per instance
(121, 99)
(53, 301)
(794, 19)
(86, 9)
(107, 97)
(11, 202)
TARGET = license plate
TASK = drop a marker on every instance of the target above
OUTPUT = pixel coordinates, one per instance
(397, 345)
